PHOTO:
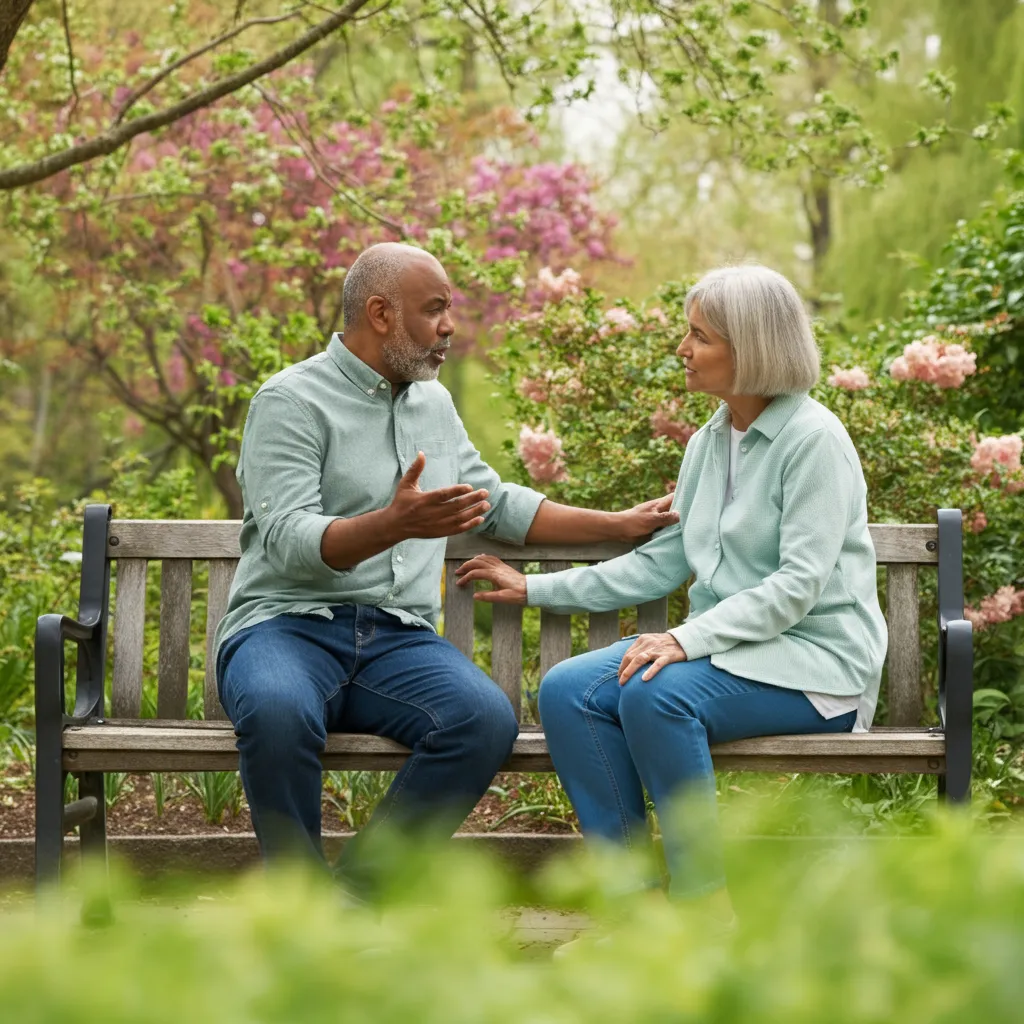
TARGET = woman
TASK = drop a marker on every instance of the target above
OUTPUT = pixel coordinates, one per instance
(784, 634)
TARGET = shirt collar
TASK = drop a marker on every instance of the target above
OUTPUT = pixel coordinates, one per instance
(770, 422)
(367, 379)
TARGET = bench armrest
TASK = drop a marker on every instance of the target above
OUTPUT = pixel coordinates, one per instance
(956, 653)
(88, 631)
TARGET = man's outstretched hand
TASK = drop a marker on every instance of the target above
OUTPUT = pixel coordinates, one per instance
(445, 512)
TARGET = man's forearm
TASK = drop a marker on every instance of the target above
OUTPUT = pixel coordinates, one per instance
(347, 542)
(561, 524)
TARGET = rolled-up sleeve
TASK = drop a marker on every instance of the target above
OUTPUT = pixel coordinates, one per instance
(817, 485)
(279, 469)
(513, 507)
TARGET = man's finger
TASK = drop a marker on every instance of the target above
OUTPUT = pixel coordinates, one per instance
(463, 527)
(443, 495)
(412, 474)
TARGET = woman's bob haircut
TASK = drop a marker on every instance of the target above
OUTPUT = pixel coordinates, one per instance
(761, 316)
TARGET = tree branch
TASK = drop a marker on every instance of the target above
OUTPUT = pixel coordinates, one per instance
(213, 44)
(115, 138)
(71, 54)
(12, 14)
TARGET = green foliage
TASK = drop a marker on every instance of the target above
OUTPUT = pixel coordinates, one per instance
(924, 930)
(355, 795)
(218, 792)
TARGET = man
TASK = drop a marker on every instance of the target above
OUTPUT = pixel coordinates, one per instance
(354, 469)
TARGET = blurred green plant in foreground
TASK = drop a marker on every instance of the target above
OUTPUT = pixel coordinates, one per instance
(923, 930)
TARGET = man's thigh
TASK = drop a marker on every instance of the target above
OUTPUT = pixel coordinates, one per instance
(282, 661)
(411, 682)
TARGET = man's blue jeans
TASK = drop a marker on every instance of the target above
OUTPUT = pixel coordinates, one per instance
(609, 743)
(287, 682)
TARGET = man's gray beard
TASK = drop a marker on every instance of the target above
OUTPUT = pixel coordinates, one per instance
(406, 360)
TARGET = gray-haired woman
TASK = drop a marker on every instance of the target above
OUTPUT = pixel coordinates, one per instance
(784, 634)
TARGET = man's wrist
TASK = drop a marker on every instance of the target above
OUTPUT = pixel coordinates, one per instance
(392, 529)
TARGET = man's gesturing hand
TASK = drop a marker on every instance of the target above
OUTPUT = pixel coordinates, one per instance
(442, 513)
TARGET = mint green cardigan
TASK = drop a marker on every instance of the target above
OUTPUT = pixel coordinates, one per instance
(784, 589)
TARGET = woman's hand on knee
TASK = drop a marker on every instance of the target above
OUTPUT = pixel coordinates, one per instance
(654, 649)
(509, 585)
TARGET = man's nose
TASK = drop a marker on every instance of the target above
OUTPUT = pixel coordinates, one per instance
(447, 326)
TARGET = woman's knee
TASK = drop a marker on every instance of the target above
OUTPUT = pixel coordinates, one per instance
(563, 689)
(644, 707)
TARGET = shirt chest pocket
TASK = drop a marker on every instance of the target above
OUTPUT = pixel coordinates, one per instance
(438, 471)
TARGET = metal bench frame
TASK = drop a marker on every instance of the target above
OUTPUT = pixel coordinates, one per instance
(87, 744)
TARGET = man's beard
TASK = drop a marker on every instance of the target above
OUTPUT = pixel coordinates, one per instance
(407, 360)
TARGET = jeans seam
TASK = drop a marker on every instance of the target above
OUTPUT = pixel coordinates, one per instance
(588, 716)
(398, 700)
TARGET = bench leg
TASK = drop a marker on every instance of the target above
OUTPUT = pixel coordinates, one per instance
(49, 821)
(93, 833)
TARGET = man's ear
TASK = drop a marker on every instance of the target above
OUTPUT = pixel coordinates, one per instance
(379, 314)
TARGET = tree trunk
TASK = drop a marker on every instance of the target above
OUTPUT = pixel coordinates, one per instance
(224, 477)
(42, 417)
(12, 14)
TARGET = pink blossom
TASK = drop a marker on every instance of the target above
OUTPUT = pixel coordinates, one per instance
(389, 106)
(932, 361)
(977, 522)
(554, 287)
(535, 389)
(541, 452)
(1002, 606)
(175, 372)
(657, 316)
(999, 458)
(853, 379)
(133, 426)
(617, 321)
(665, 422)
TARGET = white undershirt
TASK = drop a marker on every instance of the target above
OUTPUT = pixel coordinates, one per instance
(826, 704)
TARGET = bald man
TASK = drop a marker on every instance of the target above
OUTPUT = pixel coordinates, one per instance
(354, 469)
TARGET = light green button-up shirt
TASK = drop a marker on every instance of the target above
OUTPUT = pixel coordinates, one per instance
(785, 589)
(328, 439)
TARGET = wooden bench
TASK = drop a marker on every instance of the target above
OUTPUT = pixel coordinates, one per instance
(87, 744)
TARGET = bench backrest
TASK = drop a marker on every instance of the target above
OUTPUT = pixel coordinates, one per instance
(179, 544)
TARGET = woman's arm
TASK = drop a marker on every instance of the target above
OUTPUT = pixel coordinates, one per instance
(651, 571)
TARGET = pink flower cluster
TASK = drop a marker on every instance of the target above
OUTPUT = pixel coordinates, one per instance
(999, 458)
(543, 388)
(932, 361)
(541, 452)
(665, 422)
(1002, 606)
(554, 287)
(977, 522)
(853, 379)
(617, 321)
(655, 313)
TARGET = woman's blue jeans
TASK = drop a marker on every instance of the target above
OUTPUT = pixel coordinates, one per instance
(609, 743)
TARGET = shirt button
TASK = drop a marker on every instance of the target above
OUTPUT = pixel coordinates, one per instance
(743, 447)
(390, 597)
(370, 391)
(263, 504)
(383, 385)
(398, 558)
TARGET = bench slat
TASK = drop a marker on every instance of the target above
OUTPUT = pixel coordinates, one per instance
(458, 611)
(129, 637)
(904, 657)
(507, 650)
(222, 572)
(555, 630)
(603, 631)
(204, 539)
(175, 616)
(652, 617)
(117, 747)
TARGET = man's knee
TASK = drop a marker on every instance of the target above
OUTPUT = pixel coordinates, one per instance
(487, 723)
